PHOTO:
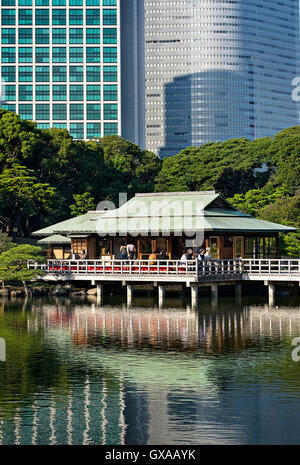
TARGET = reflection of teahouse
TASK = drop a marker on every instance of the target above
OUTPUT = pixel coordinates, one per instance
(172, 222)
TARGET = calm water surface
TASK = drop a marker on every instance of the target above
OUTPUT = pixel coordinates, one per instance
(77, 373)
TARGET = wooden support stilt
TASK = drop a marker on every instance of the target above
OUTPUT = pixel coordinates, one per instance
(129, 294)
(100, 294)
(194, 296)
(161, 295)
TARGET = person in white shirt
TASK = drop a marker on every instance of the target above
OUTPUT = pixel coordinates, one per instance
(184, 259)
(131, 251)
(208, 254)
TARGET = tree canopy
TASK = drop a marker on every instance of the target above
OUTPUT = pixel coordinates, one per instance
(46, 176)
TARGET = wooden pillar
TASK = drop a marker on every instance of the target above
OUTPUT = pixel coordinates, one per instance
(100, 293)
(271, 295)
(238, 292)
(194, 296)
(161, 295)
(214, 295)
(129, 294)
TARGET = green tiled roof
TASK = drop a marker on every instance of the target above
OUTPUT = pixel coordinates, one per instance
(67, 225)
(55, 239)
(174, 212)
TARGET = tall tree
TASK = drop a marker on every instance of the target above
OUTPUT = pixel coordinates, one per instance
(22, 198)
(13, 264)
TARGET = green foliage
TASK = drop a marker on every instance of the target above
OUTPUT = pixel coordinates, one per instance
(229, 167)
(83, 203)
(5, 242)
(255, 199)
(129, 168)
(13, 263)
(285, 210)
(23, 197)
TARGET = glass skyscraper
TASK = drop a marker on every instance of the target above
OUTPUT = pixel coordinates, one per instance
(218, 69)
(61, 64)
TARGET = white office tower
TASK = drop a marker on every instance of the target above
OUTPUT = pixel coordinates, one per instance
(218, 69)
(75, 64)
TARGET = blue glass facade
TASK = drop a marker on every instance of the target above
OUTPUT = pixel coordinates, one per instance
(219, 70)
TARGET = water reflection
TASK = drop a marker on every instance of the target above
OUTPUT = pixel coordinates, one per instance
(83, 374)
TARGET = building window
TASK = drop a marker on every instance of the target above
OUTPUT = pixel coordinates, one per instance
(42, 92)
(76, 111)
(42, 74)
(76, 54)
(8, 36)
(110, 129)
(59, 55)
(76, 17)
(110, 55)
(110, 111)
(93, 111)
(25, 36)
(59, 92)
(76, 92)
(42, 17)
(42, 55)
(8, 55)
(93, 54)
(8, 3)
(25, 54)
(110, 92)
(8, 17)
(77, 131)
(109, 17)
(59, 17)
(76, 36)
(76, 73)
(43, 125)
(93, 92)
(110, 74)
(10, 92)
(8, 73)
(93, 130)
(25, 17)
(42, 36)
(59, 111)
(25, 73)
(59, 36)
(108, 2)
(93, 36)
(60, 125)
(59, 73)
(25, 110)
(42, 111)
(9, 107)
(93, 17)
(25, 92)
(93, 74)
(110, 36)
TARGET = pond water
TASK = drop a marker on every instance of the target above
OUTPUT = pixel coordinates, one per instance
(77, 373)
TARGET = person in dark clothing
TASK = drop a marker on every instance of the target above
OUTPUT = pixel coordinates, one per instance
(163, 255)
(190, 254)
(123, 251)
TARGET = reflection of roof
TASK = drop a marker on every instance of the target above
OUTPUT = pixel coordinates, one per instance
(166, 212)
(55, 239)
